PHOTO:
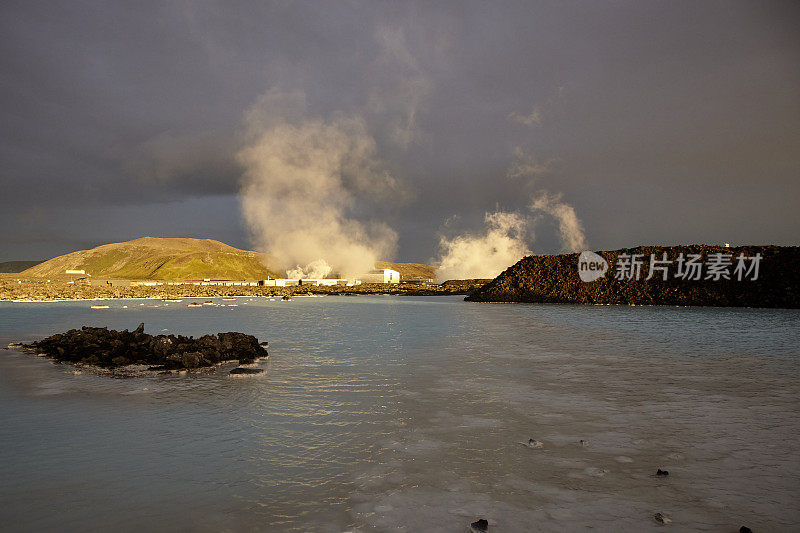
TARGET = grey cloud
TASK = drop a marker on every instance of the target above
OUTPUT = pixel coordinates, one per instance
(201, 162)
(657, 121)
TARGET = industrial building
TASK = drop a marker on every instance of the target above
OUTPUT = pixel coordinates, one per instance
(382, 275)
(385, 275)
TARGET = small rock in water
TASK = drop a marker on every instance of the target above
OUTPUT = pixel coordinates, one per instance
(532, 443)
(242, 370)
(661, 519)
(480, 525)
(662, 473)
(745, 529)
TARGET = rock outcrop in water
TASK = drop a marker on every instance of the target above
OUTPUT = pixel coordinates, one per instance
(555, 278)
(108, 348)
(246, 371)
(480, 525)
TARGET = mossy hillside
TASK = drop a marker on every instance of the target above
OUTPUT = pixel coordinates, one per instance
(181, 259)
(410, 270)
(155, 258)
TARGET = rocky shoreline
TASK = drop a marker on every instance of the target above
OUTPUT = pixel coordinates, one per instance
(133, 352)
(556, 278)
(35, 289)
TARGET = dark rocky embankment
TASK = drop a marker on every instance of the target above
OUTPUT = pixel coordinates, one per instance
(555, 279)
(108, 348)
(464, 285)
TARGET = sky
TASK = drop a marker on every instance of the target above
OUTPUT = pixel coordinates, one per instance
(658, 122)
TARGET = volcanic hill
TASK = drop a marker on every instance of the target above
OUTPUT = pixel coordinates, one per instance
(15, 267)
(410, 270)
(156, 258)
(160, 258)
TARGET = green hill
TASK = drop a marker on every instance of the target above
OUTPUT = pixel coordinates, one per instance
(180, 258)
(160, 258)
(14, 267)
(410, 270)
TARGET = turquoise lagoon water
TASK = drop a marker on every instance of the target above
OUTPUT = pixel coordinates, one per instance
(380, 413)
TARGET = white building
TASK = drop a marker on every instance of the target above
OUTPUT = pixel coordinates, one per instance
(324, 282)
(311, 282)
(273, 282)
(383, 275)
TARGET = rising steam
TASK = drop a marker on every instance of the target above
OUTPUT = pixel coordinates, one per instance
(302, 179)
(570, 228)
(484, 256)
(506, 236)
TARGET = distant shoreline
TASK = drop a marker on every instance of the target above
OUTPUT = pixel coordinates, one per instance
(39, 290)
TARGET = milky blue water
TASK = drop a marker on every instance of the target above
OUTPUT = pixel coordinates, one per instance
(380, 413)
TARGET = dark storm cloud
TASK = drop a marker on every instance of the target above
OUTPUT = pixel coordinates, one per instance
(658, 121)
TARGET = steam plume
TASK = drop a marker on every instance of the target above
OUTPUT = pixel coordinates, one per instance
(303, 178)
(532, 119)
(506, 236)
(570, 228)
(484, 256)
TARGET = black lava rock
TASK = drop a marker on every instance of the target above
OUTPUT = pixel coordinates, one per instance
(110, 348)
(555, 279)
(661, 518)
(745, 529)
(241, 370)
(480, 525)
(662, 473)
